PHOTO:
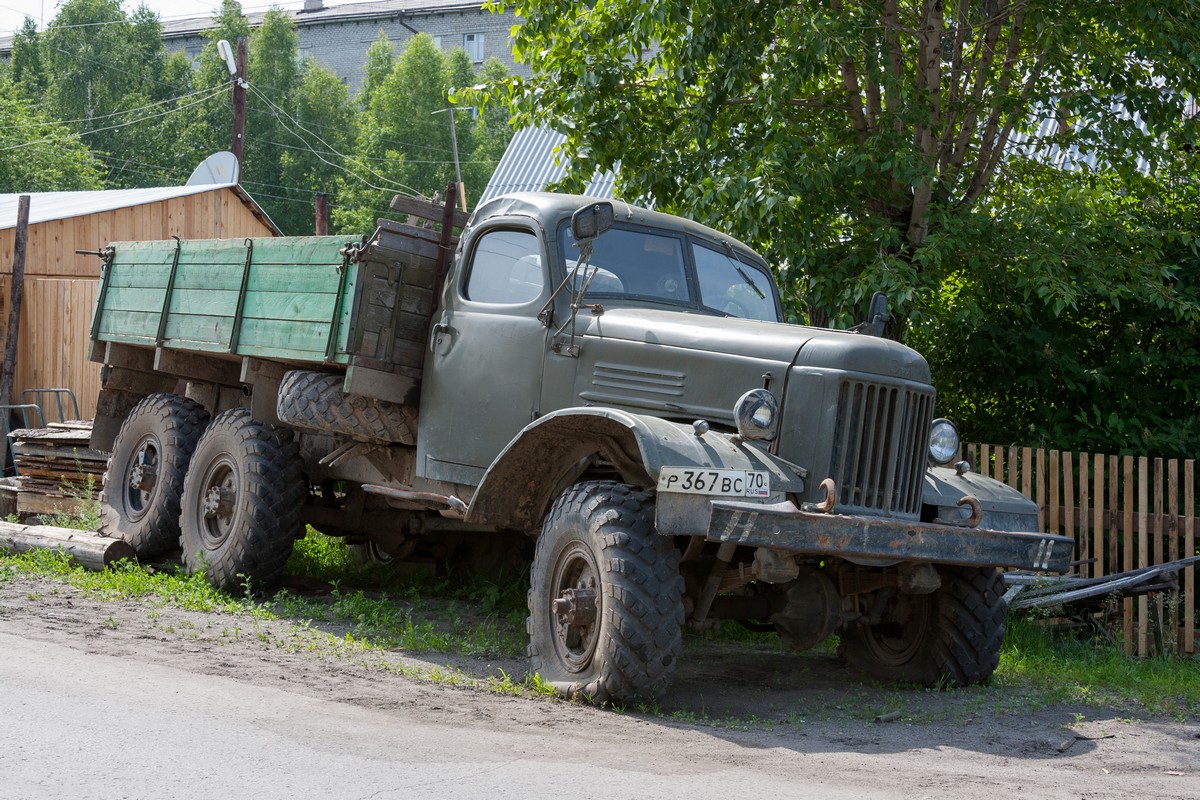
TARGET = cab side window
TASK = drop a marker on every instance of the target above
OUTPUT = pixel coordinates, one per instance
(506, 268)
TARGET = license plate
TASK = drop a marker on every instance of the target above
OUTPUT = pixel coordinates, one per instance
(721, 482)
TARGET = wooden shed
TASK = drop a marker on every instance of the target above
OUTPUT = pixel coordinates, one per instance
(60, 285)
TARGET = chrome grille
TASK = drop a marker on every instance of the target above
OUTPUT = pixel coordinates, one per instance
(879, 447)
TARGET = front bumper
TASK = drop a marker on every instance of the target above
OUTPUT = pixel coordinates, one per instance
(783, 526)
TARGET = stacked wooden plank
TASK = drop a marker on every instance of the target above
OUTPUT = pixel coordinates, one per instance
(58, 472)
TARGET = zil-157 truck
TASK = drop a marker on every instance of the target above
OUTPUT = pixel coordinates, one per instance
(614, 382)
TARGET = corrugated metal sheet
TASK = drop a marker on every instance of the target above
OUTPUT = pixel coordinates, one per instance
(528, 165)
(1035, 145)
(46, 206)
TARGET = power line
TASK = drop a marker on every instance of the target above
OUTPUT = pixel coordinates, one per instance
(72, 135)
(280, 114)
(113, 114)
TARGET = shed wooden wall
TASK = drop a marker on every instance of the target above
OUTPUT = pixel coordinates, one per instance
(60, 286)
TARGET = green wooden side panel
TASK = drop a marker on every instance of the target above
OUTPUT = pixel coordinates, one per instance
(287, 311)
(122, 326)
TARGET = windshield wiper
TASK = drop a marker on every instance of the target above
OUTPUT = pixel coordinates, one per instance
(750, 282)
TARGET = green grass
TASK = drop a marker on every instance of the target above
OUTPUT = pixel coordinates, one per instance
(369, 611)
(1065, 668)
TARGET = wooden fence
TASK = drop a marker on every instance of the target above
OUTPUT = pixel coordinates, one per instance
(1124, 512)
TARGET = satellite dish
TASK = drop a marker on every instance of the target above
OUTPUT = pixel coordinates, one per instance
(218, 168)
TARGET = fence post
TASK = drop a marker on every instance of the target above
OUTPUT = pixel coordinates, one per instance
(1127, 563)
(1189, 541)
(1143, 606)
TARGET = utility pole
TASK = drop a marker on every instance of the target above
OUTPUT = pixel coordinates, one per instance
(16, 294)
(237, 146)
(322, 209)
(462, 190)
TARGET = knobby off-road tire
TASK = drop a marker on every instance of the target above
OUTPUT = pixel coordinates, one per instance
(598, 540)
(951, 637)
(240, 502)
(315, 401)
(144, 479)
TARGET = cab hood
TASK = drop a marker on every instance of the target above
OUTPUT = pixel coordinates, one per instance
(695, 366)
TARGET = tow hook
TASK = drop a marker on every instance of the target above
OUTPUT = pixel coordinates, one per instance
(826, 505)
(971, 521)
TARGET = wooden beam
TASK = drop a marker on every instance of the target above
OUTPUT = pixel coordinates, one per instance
(90, 550)
(427, 209)
(16, 294)
(198, 367)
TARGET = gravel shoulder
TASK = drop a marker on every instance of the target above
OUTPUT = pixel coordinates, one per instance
(803, 717)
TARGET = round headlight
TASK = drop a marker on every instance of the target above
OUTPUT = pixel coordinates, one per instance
(943, 442)
(756, 413)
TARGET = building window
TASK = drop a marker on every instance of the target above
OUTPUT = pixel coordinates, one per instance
(193, 53)
(437, 42)
(473, 44)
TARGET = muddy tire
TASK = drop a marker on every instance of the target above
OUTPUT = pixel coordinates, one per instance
(240, 514)
(144, 480)
(598, 554)
(315, 401)
(951, 637)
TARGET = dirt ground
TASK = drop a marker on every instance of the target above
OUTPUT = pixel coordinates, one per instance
(760, 705)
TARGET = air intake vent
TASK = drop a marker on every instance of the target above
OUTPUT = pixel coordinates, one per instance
(879, 448)
(638, 386)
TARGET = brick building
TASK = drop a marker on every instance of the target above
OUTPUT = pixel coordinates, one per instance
(338, 36)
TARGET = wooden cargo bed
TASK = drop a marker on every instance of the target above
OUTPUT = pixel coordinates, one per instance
(328, 300)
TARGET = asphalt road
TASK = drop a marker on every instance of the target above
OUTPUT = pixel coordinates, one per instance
(80, 725)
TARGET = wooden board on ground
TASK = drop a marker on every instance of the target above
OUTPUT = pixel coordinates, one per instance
(89, 549)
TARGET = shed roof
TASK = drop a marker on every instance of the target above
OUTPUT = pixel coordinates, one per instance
(528, 165)
(47, 206)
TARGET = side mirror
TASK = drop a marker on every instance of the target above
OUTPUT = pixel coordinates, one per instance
(591, 221)
(877, 317)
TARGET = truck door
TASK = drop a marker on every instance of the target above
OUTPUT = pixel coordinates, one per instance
(483, 375)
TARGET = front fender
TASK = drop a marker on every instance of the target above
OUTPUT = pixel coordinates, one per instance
(553, 452)
(1004, 508)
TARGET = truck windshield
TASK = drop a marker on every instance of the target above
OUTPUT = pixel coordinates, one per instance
(650, 265)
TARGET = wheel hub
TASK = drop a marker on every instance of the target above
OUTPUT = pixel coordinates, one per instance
(218, 502)
(576, 607)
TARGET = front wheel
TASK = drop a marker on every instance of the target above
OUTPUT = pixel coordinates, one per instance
(605, 598)
(240, 510)
(951, 637)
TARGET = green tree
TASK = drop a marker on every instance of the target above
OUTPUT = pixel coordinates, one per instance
(846, 138)
(38, 153)
(207, 127)
(490, 133)
(28, 70)
(403, 147)
(908, 147)
(102, 78)
(274, 76)
(381, 60)
(323, 126)
(1083, 295)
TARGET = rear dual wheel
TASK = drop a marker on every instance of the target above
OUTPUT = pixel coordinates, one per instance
(241, 502)
(144, 481)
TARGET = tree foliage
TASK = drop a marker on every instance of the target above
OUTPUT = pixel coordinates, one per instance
(403, 139)
(914, 148)
(843, 136)
(39, 153)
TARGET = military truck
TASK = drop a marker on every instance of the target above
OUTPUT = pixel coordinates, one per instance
(616, 383)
